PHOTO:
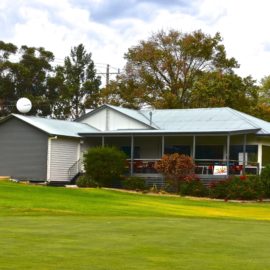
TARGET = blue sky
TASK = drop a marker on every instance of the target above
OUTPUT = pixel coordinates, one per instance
(108, 28)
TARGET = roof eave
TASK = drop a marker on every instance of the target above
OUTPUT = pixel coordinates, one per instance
(263, 135)
(162, 132)
(4, 119)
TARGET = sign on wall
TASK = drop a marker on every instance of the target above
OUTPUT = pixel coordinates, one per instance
(241, 158)
(220, 170)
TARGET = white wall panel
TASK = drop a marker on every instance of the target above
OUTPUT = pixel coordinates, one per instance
(64, 153)
(120, 121)
(108, 119)
(97, 120)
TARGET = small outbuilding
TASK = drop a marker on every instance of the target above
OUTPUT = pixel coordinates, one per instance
(40, 149)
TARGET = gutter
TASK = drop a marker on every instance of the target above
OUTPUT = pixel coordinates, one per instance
(162, 132)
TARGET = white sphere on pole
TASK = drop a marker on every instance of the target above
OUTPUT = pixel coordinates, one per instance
(24, 105)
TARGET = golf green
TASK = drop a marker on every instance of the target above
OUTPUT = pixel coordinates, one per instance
(59, 228)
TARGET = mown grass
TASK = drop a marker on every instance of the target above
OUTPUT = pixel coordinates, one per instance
(58, 228)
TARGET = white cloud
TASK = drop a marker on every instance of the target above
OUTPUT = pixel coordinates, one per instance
(59, 25)
(244, 28)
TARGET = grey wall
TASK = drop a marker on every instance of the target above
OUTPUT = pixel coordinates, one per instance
(23, 150)
(150, 147)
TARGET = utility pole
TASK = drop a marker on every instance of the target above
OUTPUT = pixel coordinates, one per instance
(108, 73)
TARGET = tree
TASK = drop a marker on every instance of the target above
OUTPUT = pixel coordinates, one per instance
(262, 109)
(31, 76)
(161, 71)
(265, 90)
(59, 92)
(124, 93)
(80, 85)
(28, 77)
(6, 86)
(216, 89)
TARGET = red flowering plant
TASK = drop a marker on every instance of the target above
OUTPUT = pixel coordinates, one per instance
(191, 177)
(176, 167)
(243, 177)
(237, 188)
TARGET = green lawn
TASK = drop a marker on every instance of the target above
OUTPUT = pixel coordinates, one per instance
(58, 228)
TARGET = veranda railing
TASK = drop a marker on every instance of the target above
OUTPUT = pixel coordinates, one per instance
(202, 166)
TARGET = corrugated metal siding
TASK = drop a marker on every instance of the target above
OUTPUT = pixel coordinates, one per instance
(64, 153)
(23, 151)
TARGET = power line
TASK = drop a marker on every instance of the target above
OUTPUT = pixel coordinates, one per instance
(60, 61)
(57, 60)
(108, 73)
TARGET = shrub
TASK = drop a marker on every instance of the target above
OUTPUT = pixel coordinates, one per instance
(133, 183)
(170, 186)
(104, 164)
(236, 188)
(193, 187)
(84, 181)
(219, 189)
(239, 189)
(255, 182)
(175, 167)
(265, 178)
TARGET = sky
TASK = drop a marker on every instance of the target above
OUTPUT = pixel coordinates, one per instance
(107, 28)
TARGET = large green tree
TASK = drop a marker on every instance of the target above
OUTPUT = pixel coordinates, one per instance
(31, 75)
(162, 71)
(28, 77)
(217, 89)
(6, 86)
(264, 91)
(78, 84)
(262, 110)
(61, 92)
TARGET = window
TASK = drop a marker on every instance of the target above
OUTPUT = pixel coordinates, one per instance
(209, 152)
(251, 150)
(127, 151)
(180, 149)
